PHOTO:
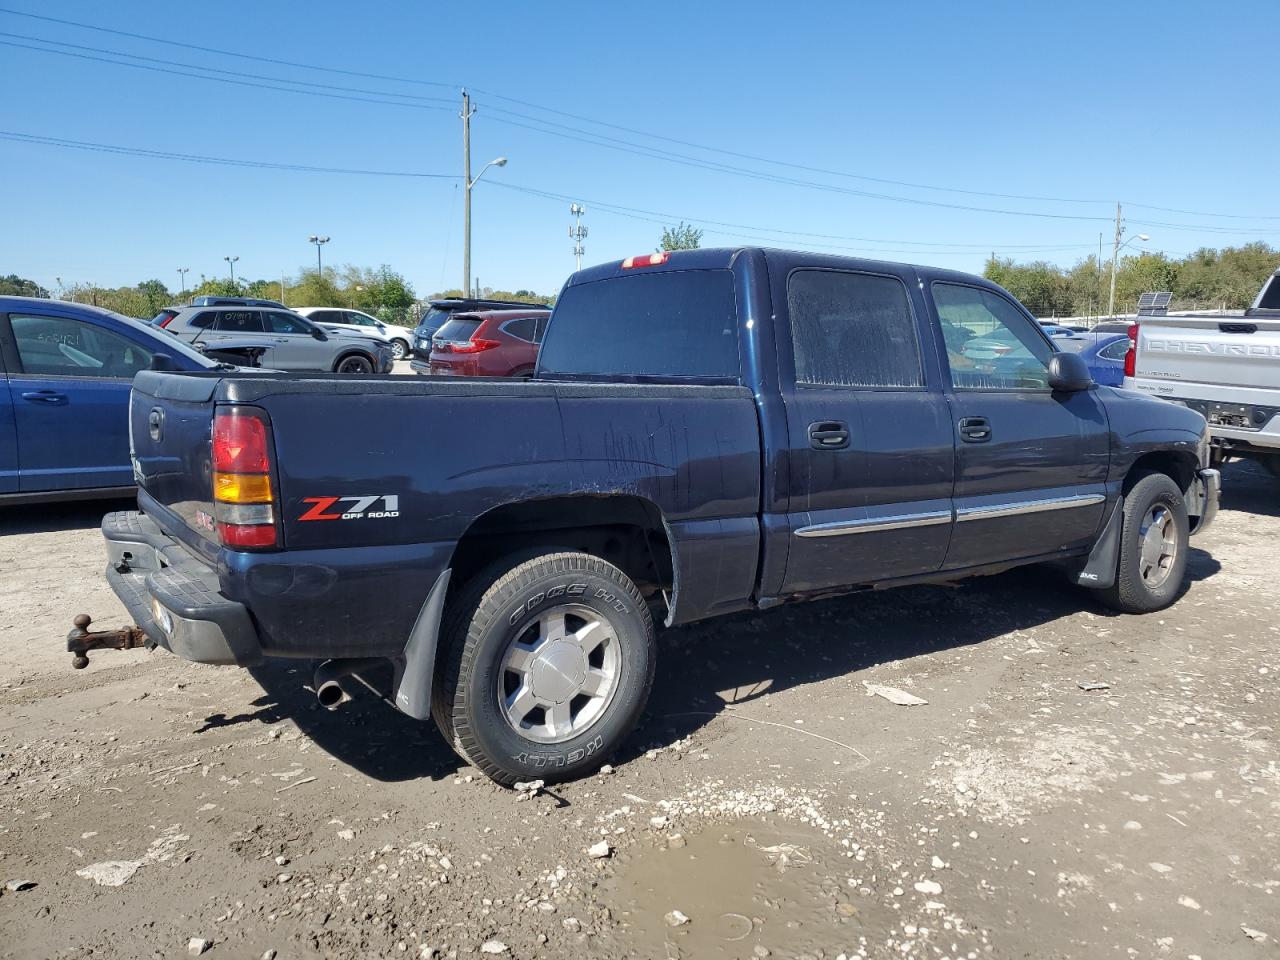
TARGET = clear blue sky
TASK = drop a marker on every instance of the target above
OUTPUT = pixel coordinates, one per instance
(1167, 105)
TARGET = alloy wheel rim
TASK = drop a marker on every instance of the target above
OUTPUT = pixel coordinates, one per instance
(559, 675)
(397, 349)
(354, 365)
(1158, 542)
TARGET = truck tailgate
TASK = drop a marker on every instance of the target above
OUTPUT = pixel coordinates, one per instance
(1234, 353)
(170, 426)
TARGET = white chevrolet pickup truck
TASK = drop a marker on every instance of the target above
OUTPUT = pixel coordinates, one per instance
(1225, 367)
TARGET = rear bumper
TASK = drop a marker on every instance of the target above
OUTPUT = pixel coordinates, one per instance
(1206, 493)
(173, 596)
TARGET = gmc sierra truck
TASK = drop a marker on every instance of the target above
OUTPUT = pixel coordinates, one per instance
(708, 431)
(1226, 368)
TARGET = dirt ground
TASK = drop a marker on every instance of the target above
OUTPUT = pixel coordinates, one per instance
(769, 805)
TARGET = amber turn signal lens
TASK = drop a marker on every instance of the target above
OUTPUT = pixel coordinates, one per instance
(242, 487)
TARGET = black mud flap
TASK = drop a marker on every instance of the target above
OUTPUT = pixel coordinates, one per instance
(1099, 570)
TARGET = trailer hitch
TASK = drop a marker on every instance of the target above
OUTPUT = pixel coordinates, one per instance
(80, 641)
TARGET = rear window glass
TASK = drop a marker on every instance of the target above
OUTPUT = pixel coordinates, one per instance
(202, 320)
(672, 324)
(853, 330)
(459, 328)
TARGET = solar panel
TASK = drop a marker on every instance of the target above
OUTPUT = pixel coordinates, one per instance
(1154, 304)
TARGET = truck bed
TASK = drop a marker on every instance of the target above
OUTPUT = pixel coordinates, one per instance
(428, 458)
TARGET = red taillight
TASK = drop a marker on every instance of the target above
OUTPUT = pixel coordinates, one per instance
(475, 346)
(240, 443)
(650, 260)
(242, 492)
(1131, 355)
(167, 320)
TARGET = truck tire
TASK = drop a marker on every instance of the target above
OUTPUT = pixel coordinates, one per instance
(546, 665)
(1154, 542)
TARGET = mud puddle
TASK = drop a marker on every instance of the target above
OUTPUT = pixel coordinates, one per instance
(743, 891)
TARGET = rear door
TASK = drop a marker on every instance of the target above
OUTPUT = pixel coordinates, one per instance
(1031, 464)
(871, 454)
(68, 386)
(8, 432)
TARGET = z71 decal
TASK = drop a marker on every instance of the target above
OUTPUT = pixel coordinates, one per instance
(358, 508)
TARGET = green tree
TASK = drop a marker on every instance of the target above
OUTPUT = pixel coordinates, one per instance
(317, 290)
(155, 294)
(16, 286)
(681, 237)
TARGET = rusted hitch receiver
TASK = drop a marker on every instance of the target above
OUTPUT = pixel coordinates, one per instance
(80, 641)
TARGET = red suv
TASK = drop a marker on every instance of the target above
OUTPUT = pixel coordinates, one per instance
(488, 343)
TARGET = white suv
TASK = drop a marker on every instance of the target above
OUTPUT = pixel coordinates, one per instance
(399, 337)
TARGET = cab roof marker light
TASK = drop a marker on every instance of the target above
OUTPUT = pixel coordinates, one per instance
(647, 260)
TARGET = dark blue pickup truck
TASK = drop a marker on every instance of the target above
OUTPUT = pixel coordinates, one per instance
(708, 431)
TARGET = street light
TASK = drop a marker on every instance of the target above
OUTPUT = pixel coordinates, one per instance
(231, 262)
(182, 278)
(1115, 257)
(319, 242)
(466, 223)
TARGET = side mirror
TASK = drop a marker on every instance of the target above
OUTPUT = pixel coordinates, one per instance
(162, 361)
(1068, 373)
(319, 334)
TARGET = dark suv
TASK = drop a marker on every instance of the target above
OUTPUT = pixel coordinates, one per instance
(441, 310)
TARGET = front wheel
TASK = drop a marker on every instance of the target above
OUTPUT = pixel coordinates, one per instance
(354, 364)
(547, 664)
(1154, 542)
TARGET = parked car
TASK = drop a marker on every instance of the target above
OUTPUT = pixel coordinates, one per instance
(493, 343)
(707, 431)
(440, 311)
(1103, 353)
(1069, 327)
(214, 301)
(290, 342)
(164, 316)
(400, 338)
(1225, 367)
(65, 374)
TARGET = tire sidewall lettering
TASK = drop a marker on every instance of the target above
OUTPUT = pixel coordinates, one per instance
(539, 598)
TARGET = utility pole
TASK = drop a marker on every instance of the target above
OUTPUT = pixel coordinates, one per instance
(1115, 259)
(282, 299)
(182, 278)
(577, 233)
(467, 112)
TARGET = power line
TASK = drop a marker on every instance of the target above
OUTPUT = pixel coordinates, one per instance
(170, 71)
(693, 145)
(226, 53)
(231, 73)
(198, 158)
(650, 216)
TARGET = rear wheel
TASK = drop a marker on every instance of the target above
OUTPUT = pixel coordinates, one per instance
(546, 666)
(1154, 542)
(354, 363)
(399, 349)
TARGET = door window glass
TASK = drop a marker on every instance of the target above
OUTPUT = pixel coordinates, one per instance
(360, 320)
(286, 323)
(239, 321)
(62, 347)
(1115, 351)
(521, 329)
(853, 330)
(991, 345)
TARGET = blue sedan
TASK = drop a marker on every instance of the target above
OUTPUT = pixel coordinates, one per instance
(1103, 353)
(65, 374)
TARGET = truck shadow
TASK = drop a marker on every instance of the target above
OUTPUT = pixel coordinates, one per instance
(56, 517)
(1249, 487)
(702, 667)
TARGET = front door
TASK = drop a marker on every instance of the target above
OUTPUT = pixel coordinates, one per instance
(1031, 464)
(70, 399)
(871, 455)
(293, 347)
